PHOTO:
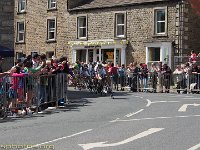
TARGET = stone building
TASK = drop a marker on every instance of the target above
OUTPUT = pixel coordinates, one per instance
(110, 30)
(7, 32)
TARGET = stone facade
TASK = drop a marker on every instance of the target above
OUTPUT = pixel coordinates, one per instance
(139, 27)
(35, 18)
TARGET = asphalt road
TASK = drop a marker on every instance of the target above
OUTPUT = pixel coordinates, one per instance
(132, 121)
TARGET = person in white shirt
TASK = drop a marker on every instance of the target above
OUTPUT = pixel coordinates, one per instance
(180, 76)
(35, 61)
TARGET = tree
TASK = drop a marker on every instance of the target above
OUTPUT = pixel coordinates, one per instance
(195, 5)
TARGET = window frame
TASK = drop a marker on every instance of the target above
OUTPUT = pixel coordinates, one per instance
(20, 32)
(155, 27)
(116, 25)
(48, 54)
(49, 5)
(78, 27)
(54, 29)
(19, 10)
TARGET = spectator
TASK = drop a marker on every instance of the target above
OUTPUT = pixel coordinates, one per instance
(167, 77)
(114, 73)
(35, 60)
(154, 75)
(160, 77)
(179, 72)
(193, 57)
(122, 73)
(130, 74)
(144, 76)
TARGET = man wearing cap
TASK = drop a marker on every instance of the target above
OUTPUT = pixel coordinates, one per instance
(1, 60)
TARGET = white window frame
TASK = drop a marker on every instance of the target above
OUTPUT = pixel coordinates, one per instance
(83, 27)
(50, 30)
(162, 21)
(20, 3)
(20, 32)
(120, 25)
(50, 2)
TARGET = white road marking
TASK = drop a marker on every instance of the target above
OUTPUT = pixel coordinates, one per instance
(148, 103)
(115, 120)
(195, 147)
(132, 114)
(179, 96)
(156, 118)
(184, 107)
(104, 144)
(58, 139)
(165, 102)
(191, 98)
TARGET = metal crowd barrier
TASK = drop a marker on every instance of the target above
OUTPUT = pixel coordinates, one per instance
(193, 82)
(154, 82)
(34, 92)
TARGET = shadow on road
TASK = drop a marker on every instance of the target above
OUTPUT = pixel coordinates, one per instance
(76, 99)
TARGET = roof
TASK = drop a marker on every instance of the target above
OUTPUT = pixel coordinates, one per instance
(92, 4)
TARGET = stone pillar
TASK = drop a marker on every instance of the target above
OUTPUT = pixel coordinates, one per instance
(94, 55)
(147, 61)
(74, 56)
(100, 55)
(87, 58)
(123, 55)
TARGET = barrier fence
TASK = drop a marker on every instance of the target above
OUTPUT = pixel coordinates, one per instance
(21, 91)
(153, 82)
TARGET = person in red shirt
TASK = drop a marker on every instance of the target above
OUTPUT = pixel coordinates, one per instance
(114, 73)
(193, 56)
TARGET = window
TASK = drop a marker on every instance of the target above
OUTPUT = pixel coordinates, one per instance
(20, 32)
(21, 5)
(19, 55)
(160, 21)
(154, 54)
(51, 25)
(49, 54)
(120, 25)
(82, 27)
(51, 4)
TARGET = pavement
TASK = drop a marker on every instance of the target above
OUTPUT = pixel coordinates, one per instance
(132, 121)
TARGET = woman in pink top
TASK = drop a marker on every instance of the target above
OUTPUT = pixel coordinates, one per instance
(16, 89)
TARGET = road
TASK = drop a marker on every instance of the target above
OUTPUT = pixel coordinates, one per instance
(132, 121)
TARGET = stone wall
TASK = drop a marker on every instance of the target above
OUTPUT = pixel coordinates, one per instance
(139, 27)
(36, 27)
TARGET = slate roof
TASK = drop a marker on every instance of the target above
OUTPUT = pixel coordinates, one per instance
(92, 4)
